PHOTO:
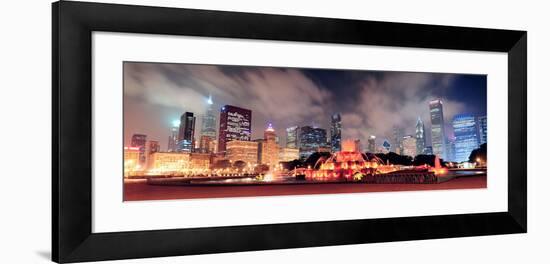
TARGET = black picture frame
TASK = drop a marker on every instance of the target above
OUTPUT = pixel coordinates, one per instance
(73, 24)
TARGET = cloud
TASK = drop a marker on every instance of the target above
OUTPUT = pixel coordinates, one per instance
(284, 97)
(397, 100)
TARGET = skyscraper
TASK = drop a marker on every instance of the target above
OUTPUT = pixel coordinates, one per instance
(439, 140)
(409, 146)
(482, 129)
(208, 128)
(235, 124)
(292, 137)
(270, 149)
(173, 138)
(311, 139)
(465, 130)
(397, 147)
(372, 144)
(186, 135)
(335, 132)
(420, 137)
(139, 141)
(451, 149)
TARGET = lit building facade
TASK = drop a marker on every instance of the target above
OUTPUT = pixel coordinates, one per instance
(139, 141)
(311, 139)
(207, 144)
(292, 137)
(131, 161)
(336, 132)
(169, 163)
(199, 162)
(288, 154)
(186, 135)
(420, 136)
(465, 130)
(482, 129)
(208, 128)
(151, 147)
(246, 151)
(439, 141)
(270, 149)
(235, 124)
(371, 144)
(409, 146)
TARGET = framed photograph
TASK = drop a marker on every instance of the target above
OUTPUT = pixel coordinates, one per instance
(179, 131)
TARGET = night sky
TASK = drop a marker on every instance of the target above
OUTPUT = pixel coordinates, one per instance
(370, 102)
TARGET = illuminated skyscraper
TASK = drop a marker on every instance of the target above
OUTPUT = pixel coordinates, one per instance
(311, 139)
(465, 130)
(173, 138)
(420, 137)
(270, 149)
(235, 124)
(335, 132)
(292, 137)
(409, 146)
(482, 129)
(139, 141)
(208, 129)
(186, 135)
(372, 144)
(439, 141)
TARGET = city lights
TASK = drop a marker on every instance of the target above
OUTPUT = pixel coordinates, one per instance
(316, 134)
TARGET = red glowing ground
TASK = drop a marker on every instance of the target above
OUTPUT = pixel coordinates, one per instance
(138, 191)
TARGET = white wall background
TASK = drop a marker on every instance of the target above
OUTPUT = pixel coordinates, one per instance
(25, 52)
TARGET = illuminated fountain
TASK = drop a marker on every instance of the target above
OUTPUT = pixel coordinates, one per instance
(437, 169)
(350, 165)
(346, 165)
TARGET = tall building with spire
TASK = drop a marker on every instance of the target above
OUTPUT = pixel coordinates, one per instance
(439, 140)
(270, 149)
(420, 136)
(335, 132)
(208, 128)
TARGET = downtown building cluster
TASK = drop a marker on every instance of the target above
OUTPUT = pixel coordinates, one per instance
(469, 133)
(231, 141)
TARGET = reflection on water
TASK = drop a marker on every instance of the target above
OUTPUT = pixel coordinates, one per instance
(283, 178)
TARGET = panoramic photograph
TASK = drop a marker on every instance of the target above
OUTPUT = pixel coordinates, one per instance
(212, 131)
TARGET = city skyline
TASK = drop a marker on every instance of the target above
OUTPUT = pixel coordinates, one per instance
(318, 99)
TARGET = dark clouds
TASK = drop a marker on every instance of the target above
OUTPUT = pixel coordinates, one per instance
(370, 102)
